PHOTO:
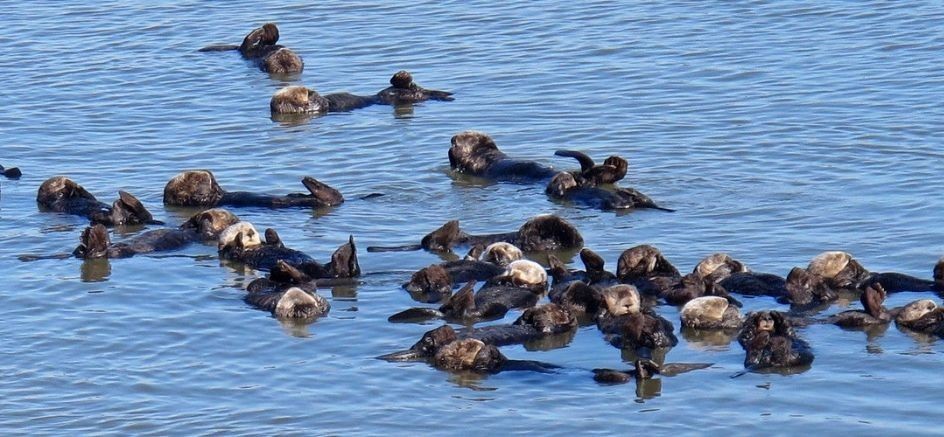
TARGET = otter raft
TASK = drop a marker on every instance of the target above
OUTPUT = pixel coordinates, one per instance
(453, 219)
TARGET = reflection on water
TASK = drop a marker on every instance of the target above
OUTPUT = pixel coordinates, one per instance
(95, 270)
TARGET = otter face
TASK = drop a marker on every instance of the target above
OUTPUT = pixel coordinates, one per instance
(432, 279)
(469, 354)
(622, 299)
(721, 265)
(620, 164)
(295, 303)
(525, 273)
(549, 319)
(548, 232)
(60, 187)
(703, 309)
(297, 100)
(643, 261)
(764, 322)
(193, 188)
(501, 253)
(283, 61)
(211, 223)
(402, 79)
(469, 151)
(242, 235)
(916, 310)
(560, 184)
(442, 239)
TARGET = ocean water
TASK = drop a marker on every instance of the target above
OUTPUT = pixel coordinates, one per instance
(777, 130)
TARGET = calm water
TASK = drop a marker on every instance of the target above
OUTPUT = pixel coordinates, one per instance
(777, 130)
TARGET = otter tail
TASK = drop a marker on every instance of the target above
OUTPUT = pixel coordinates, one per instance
(415, 315)
(404, 248)
(219, 48)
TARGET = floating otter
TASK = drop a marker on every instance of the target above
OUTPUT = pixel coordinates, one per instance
(476, 154)
(634, 327)
(922, 316)
(644, 369)
(260, 47)
(544, 232)
(563, 186)
(199, 188)
(611, 171)
(435, 282)
(293, 303)
(241, 242)
(403, 90)
(203, 226)
(61, 194)
(897, 282)
(710, 312)
(769, 341)
(300, 100)
(647, 269)
(11, 172)
(872, 313)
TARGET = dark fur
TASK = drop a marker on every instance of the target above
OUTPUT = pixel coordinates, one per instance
(403, 90)
(343, 262)
(260, 47)
(476, 154)
(541, 233)
(199, 188)
(11, 172)
(778, 347)
(61, 194)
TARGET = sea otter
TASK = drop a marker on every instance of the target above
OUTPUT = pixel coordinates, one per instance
(611, 171)
(292, 303)
(647, 269)
(435, 282)
(563, 186)
(61, 194)
(710, 312)
(403, 90)
(922, 316)
(541, 233)
(872, 312)
(203, 226)
(301, 100)
(199, 188)
(241, 242)
(11, 172)
(632, 326)
(476, 154)
(260, 47)
(769, 341)
(645, 369)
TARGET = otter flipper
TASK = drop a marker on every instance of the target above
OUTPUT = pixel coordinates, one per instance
(673, 369)
(132, 207)
(586, 162)
(12, 172)
(328, 195)
(93, 243)
(219, 48)
(415, 315)
(529, 366)
(444, 96)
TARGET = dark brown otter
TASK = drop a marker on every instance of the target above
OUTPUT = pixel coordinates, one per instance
(301, 100)
(563, 186)
(199, 188)
(631, 325)
(541, 233)
(203, 226)
(645, 267)
(922, 316)
(476, 154)
(645, 369)
(241, 242)
(872, 313)
(403, 90)
(769, 341)
(11, 172)
(61, 194)
(435, 282)
(260, 47)
(591, 174)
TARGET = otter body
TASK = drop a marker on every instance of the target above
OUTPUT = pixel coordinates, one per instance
(199, 188)
(61, 194)
(260, 47)
(476, 154)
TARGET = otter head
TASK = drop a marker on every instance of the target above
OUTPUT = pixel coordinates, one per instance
(548, 319)
(804, 288)
(560, 184)
(344, 261)
(238, 237)
(61, 188)
(643, 261)
(915, 310)
(442, 239)
(525, 274)
(469, 354)
(939, 274)
(548, 232)
(431, 342)
(719, 266)
(432, 279)
(283, 61)
(620, 167)
(501, 253)
(703, 309)
(472, 152)
(266, 35)
(326, 194)
(210, 223)
(763, 321)
(93, 243)
(402, 79)
(622, 299)
(839, 269)
(297, 100)
(296, 303)
(193, 188)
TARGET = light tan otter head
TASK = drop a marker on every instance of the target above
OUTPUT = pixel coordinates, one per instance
(559, 184)
(703, 309)
(283, 61)
(469, 354)
(915, 310)
(296, 303)
(622, 299)
(525, 273)
(193, 188)
(501, 253)
(829, 264)
(210, 223)
(472, 152)
(242, 235)
(60, 187)
(297, 100)
(720, 266)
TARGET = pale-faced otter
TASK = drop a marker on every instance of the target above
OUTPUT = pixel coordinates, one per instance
(300, 100)
(203, 226)
(922, 316)
(541, 233)
(11, 172)
(199, 188)
(634, 327)
(61, 194)
(476, 154)
(563, 186)
(769, 341)
(403, 90)
(611, 171)
(241, 242)
(444, 349)
(501, 253)
(292, 303)
(260, 47)
(839, 270)
(492, 301)
(710, 312)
